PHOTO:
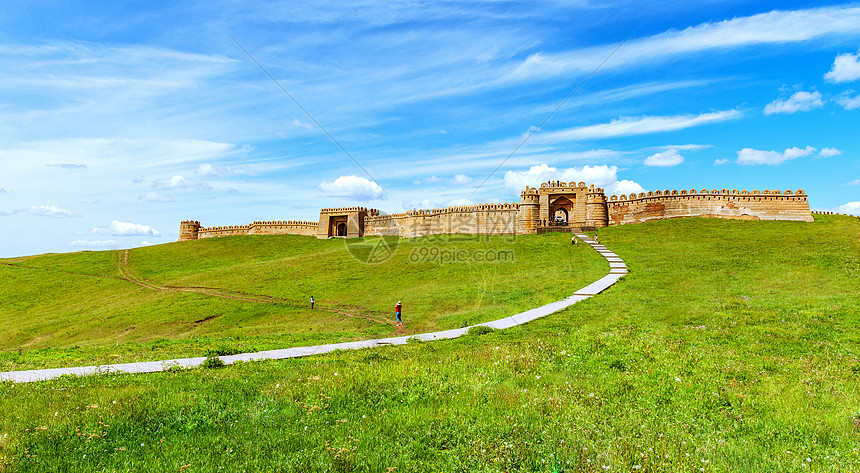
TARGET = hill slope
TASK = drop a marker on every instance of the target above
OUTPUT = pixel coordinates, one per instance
(251, 293)
(731, 346)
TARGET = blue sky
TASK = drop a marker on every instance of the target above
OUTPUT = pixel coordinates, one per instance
(118, 121)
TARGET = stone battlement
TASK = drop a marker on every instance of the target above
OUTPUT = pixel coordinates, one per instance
(553, 205)
(705, 192)
(340, 210)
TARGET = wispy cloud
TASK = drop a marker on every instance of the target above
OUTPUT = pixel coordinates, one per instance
(799, 102)
(154, 197)
(48, 211)
(68, 166)
(216, 170)
(118, 228)
(179, 182)
(750, 156)
(301, 124)
(847, 101)
(764, 28)
(94, 244)
(629, 126)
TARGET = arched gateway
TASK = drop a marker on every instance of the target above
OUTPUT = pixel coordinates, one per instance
(579, 207)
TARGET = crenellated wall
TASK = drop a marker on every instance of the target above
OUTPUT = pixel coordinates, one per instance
(284, 227)
(491, 219)
(755, 205)
(554, 206)
(279, 227)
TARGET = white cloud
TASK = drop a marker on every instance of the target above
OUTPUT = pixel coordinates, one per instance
(666, 158)
(855, 182)
(421, 204)
(601, 176)
(216, 170)
(829, 152)
(179, 182)
(67, 166)
(432, 179)
(765, 28)
(852, 208)
(462, 179)
(846, 68)
(719, 162)
(300, 124)
(799, 102)
(3, 191)
(848, 102)
(628, 126)
(353, 187)
(49, 211)
(117, 228)
(94, 244)
(623, 187)
(751, 156)
(155, 197)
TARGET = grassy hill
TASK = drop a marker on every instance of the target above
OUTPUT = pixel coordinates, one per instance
(251, 293)
(730, 346)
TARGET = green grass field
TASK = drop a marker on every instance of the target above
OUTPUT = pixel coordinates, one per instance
(73, 309)
(730, 346)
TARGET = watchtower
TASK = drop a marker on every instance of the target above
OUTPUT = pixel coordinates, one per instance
(189, 230)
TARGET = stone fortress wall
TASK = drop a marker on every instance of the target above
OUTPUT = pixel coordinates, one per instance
(540, 210)
(734, 204)
(491, 219)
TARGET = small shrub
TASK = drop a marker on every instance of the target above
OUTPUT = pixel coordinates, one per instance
(618, 365)
(212, 362)
(480, 330)
(174, 368)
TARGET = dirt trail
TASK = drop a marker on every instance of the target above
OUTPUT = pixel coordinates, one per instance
(126, 274)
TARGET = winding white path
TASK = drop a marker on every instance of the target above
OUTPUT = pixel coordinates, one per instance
(617, 270)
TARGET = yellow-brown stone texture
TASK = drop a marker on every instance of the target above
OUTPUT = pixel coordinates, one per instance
(755, 205)
(576, 204)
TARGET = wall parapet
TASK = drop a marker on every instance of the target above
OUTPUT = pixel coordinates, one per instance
(509, 206)
(341, 210)
(827, 212)
(799, 193)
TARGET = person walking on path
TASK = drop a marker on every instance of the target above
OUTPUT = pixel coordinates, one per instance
(595, 238)
(312, 302)
(397, 309)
